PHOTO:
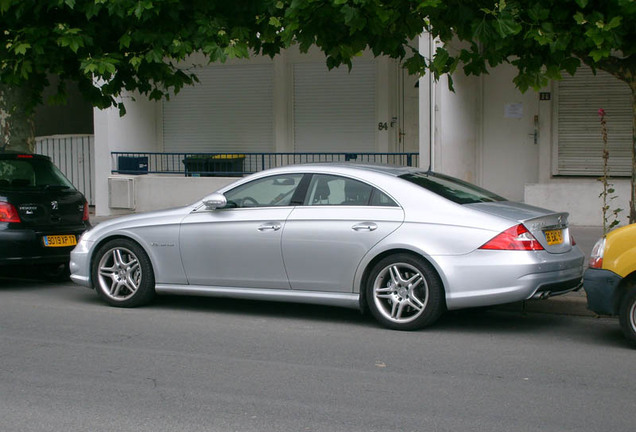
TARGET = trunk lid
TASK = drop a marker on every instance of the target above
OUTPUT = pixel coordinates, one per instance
(550, 228)
(53, 207)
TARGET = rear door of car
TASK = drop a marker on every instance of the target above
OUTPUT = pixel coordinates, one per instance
(325, 239)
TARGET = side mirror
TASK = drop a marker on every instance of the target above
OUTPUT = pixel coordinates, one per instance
(214, 201)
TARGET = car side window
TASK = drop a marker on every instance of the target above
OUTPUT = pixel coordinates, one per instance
(336, 190)
(265, 192)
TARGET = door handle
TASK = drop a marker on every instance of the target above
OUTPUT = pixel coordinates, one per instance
(269, 227)
(365, 226)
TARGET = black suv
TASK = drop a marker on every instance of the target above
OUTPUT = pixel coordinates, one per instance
(41, 214)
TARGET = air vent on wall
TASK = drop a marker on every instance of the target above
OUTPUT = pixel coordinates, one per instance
(121, 193)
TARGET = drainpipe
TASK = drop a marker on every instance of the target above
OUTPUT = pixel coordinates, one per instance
(431, 113)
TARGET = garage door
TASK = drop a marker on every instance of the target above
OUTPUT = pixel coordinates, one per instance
(334, 111)
(230, 110)
(579, 129)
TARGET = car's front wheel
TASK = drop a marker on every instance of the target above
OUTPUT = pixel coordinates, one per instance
(123, 274)
(404, 292)
(627, 314)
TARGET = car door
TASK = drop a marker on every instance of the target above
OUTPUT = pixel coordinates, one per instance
(240, 245)
(325, 239)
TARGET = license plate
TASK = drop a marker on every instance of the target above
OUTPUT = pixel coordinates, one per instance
(554, 237)
(59, 240)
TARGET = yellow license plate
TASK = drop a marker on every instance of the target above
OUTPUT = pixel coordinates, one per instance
(554, 237)
(59, 240)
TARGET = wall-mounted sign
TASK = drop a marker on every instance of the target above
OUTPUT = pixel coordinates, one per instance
(513, 110)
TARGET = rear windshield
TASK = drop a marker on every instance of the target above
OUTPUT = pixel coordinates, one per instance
(451, 188)
(31, 174)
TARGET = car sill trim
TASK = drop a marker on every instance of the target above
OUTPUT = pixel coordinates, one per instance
(347, 300)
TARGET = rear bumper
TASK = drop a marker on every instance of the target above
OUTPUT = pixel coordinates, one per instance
(488, 278)
(601, 287)
(25, 246)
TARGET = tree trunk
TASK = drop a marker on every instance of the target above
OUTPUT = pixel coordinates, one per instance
(17, 131)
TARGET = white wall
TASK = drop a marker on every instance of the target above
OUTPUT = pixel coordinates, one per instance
(156, 192)
(457, 134)
(509, 153)
(137, 131)
(581, 198)
(454, 118)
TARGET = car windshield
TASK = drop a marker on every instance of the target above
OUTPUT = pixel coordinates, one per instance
(26, 173)
(451, 188)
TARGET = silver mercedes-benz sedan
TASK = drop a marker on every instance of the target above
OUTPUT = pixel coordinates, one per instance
(402, 243)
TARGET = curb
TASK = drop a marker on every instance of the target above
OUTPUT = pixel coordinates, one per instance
(573, 304)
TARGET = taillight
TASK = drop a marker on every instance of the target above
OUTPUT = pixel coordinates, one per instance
(596, 257)
(8, 213)
(85, 216)
(516, 238)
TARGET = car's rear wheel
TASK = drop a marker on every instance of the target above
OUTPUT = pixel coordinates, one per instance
(404, 292)
(627, 314)
(123, 274)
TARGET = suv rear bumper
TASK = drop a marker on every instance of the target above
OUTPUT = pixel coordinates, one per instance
(25, 246)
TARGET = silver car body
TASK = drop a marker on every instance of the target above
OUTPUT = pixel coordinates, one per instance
(322, 254)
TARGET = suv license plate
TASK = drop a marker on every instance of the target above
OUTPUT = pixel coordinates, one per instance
(59, 240)
(554, 237)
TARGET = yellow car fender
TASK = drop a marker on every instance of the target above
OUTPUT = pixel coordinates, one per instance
(620, 251)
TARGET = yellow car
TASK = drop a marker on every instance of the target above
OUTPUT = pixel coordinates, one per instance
(610, 280)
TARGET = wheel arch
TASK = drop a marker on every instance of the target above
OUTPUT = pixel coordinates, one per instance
(98, 245)
(369, 266)
(623, 289)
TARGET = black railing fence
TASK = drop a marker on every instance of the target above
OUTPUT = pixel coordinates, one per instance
(238, 164)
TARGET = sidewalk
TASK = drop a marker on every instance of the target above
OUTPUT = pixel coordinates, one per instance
(573, 303)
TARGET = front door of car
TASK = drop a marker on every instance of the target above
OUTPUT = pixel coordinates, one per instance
(240, 245)
(325, 240)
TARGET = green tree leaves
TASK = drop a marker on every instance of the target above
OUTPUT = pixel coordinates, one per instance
(138, 44)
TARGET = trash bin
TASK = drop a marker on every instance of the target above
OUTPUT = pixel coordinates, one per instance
(196, 166)
(221, 165)
(132, 164)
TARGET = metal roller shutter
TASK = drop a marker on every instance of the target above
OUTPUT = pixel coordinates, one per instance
(229, 110)
(579, 129)
(334, 111)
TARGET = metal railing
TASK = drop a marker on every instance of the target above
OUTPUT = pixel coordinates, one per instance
(73, 155)
(238, 164)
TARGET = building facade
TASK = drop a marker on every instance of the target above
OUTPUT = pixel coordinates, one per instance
(539, 147)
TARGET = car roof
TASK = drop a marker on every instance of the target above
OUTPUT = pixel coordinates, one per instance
(391, 170)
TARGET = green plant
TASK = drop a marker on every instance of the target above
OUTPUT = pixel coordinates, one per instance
(610, 217)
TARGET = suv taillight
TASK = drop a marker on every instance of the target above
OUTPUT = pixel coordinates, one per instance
(8, 213)
(85, 216)
(516, 238)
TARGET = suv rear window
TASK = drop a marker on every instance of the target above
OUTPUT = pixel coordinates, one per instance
(451, 188)
(31, 173)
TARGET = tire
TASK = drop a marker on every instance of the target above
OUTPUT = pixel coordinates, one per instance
(627, 315)
(404, 293)
(122, 274)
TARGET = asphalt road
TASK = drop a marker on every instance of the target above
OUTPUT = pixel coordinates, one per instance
(70, 363)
